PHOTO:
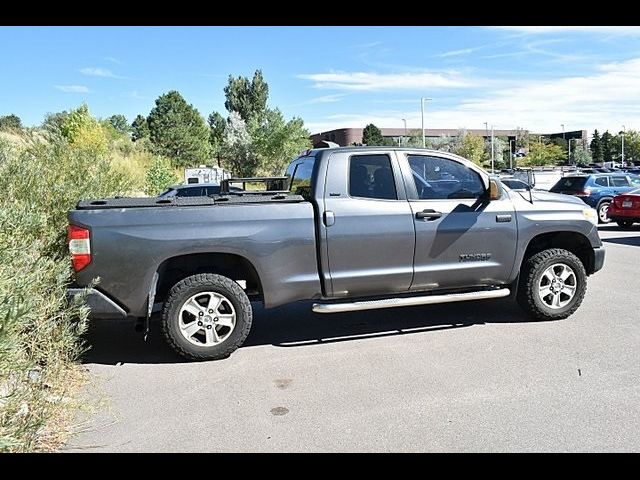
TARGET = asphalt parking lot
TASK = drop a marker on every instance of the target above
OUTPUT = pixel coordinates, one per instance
(474, 376)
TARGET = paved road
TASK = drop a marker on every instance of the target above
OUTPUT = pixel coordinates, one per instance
(460, 377)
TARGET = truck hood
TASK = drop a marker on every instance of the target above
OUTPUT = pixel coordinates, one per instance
(543, 196)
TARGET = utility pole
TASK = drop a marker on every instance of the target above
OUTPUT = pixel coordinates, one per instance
(422, 100)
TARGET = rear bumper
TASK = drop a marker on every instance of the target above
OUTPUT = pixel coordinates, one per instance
(598, 259)
(101, 306)
(615, 214)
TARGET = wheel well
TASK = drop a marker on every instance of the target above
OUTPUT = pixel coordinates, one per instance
(235, 267)
(574, 242)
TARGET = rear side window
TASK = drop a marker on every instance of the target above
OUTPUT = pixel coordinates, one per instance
(570, 184)
(602, 181)
(371, 176)
(619, 182)
(301, 177)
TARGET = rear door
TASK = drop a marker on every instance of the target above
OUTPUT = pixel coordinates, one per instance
(369, 225)
(462, 239)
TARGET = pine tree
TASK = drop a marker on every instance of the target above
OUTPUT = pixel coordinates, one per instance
(139, 128)
(177, 131)
(372, 136)
(596, 147)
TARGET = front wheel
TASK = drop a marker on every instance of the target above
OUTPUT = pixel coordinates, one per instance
(625, 224)
(603, 211)
(206, 317)
(553, 284)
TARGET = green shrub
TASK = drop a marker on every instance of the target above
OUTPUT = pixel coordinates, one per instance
(160, 175)
(39, 330)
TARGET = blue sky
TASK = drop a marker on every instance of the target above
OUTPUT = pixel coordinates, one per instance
(531, 77)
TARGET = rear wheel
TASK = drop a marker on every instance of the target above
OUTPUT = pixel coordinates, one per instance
(553, 284)
(206, 317)
(625, 223)
(603, 211)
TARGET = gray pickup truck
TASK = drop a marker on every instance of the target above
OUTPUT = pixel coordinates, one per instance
(358, 228)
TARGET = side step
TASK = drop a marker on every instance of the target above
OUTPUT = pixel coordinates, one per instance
(409, 301)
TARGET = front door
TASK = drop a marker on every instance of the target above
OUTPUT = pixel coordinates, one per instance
(462, 239)
(369, 225)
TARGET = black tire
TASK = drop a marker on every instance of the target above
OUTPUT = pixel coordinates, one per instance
(603, 208)
(626, 224)
(183, 291)
(531, 275)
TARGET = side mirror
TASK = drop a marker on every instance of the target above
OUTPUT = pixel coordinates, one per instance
(494, 189)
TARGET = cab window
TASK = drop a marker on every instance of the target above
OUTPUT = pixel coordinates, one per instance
(441, 178)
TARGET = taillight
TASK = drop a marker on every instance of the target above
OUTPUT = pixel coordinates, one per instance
(584, 193)
(79, 246)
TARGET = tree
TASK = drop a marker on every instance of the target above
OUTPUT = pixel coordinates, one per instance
(470, 147)
(543, 154)
(83, 131)
(159, 176)
(237, 148)
(581, 155)
(217, 125)
(607, 147)
(139, 128)
(631, 145)
(119, 123)
(372, 136)
(10, 123)
(53, 121)
(276, 142)
(596, 147)
(177, 131)
(248, 99)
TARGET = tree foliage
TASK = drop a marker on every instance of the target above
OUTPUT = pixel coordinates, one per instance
(247, 98)
(159, 176)
(276, 141)
(238, 149)
(139, 128)
(372, 136)
(543, 154)
(581, 155)
(607, 147)
(471, 147)
(10, 123)
(596, 147)
(83, 131)
(177, 131)
(119, 123)
(217, 125)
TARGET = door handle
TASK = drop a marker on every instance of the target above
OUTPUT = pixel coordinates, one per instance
(329, 218)
(429, 214)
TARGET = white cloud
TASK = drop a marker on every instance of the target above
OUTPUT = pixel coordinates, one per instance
(615, 30)
(366, 81)
(98, 72)
(605, 99)
(113, 60)
(455, 53)
(73, 88)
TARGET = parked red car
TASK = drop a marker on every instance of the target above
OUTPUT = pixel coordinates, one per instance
(625, 208)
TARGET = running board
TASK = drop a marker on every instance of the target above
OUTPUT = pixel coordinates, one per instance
(408, 301)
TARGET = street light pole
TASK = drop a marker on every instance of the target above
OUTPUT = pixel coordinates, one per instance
(422, 100)
(492, 169)
(405, 130)
(623, 133)
(569, 160)
(511, 154)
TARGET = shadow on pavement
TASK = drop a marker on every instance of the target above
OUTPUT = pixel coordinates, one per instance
(613, 227)
(631, 241)
(294, 325)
